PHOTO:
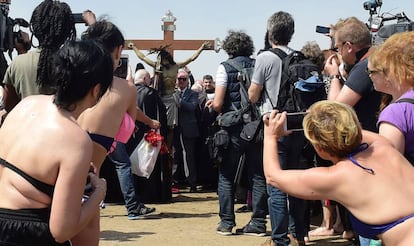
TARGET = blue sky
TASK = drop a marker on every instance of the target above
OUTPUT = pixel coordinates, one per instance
(212, 19)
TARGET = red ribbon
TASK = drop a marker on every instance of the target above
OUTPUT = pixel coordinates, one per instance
(153, 137)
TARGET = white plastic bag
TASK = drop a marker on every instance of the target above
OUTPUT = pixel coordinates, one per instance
(144, 157)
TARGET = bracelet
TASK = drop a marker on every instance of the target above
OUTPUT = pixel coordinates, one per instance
(336, 76)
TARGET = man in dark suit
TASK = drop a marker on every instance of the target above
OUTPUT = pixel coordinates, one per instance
(187, 131)
(156, 188)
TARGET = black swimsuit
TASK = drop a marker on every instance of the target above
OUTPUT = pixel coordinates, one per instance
(43, 187)
(27, 226)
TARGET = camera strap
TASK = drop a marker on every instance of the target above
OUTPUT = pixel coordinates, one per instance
(361, 54)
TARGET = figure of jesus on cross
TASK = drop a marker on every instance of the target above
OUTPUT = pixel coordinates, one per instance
(165, 68)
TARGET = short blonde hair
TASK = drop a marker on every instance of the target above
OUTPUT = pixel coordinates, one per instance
(395, 57)
(353, 30)
(334, 127)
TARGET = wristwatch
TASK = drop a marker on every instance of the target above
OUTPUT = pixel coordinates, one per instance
(336, 76)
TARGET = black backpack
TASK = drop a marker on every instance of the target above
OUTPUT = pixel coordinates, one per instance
(251, 118)
(301, 84)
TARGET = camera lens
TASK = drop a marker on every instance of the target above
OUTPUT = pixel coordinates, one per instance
(372, 4)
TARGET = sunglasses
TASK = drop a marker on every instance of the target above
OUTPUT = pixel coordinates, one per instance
(181, 79)
(336, 49)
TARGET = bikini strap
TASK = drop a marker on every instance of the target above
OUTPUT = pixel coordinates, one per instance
(361, 148)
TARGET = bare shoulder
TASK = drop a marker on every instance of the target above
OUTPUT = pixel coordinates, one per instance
(122, 85)
(73, 134)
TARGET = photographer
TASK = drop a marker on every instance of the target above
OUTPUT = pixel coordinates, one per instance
(6, 34)
(352, 40)
(52, 23)
(22, 42)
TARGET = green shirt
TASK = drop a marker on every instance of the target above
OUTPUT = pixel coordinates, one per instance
(22, 74)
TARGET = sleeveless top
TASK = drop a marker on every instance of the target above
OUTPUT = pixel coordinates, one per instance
(126, 129)
(124, 132)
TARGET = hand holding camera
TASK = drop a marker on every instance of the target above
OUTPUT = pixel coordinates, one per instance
(294, 121)
(87, 17)
(98, 185)
(274, 124)
(282, 124)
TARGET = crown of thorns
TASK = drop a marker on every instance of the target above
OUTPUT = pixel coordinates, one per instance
(159, 49)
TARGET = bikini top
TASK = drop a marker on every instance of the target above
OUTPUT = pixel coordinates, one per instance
(126, 129)
(363, 229)
(102, 140)
(41, 186)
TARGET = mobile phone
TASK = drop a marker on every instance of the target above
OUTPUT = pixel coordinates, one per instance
(323, 29)
(78, 18)
(122, 69)
(294, 121)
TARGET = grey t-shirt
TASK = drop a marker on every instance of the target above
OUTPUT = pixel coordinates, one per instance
(267, 72)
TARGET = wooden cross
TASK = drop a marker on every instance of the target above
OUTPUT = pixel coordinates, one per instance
(168, 27)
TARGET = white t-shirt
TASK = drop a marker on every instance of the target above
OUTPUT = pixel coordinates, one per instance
(221, 76)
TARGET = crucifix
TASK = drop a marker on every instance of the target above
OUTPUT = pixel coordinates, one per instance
(169, 42)
(165, 68)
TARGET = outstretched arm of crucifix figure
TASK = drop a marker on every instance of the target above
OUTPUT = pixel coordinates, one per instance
(204, 46)
(141, 55)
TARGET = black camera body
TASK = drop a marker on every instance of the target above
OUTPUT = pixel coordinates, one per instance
(12, 33)
(17, 33)
(78, 18)
(122, 70)
(323, 29)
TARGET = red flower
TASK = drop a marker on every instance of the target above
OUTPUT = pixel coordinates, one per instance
(153, 137)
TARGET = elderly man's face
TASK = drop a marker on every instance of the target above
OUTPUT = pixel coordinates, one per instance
(182, 80)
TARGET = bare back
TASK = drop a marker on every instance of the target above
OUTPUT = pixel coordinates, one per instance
(44, 143)
(106, 116)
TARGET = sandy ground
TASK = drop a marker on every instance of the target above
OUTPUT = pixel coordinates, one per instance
(190, 219)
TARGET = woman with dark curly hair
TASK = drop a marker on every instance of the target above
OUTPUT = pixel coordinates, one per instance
(239, 47)
(52, 24)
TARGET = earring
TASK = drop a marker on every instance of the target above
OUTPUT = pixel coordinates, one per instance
(119, 63)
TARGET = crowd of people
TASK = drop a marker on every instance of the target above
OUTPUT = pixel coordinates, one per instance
(65, 89)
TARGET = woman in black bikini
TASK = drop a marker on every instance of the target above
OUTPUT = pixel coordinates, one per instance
(45, 156)
(369, 177)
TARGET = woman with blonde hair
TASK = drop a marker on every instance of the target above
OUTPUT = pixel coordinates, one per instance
(369, 176)
(391, 69)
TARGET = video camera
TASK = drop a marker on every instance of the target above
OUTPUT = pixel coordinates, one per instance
(17, 32)
(379, 31)
(11, 33)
